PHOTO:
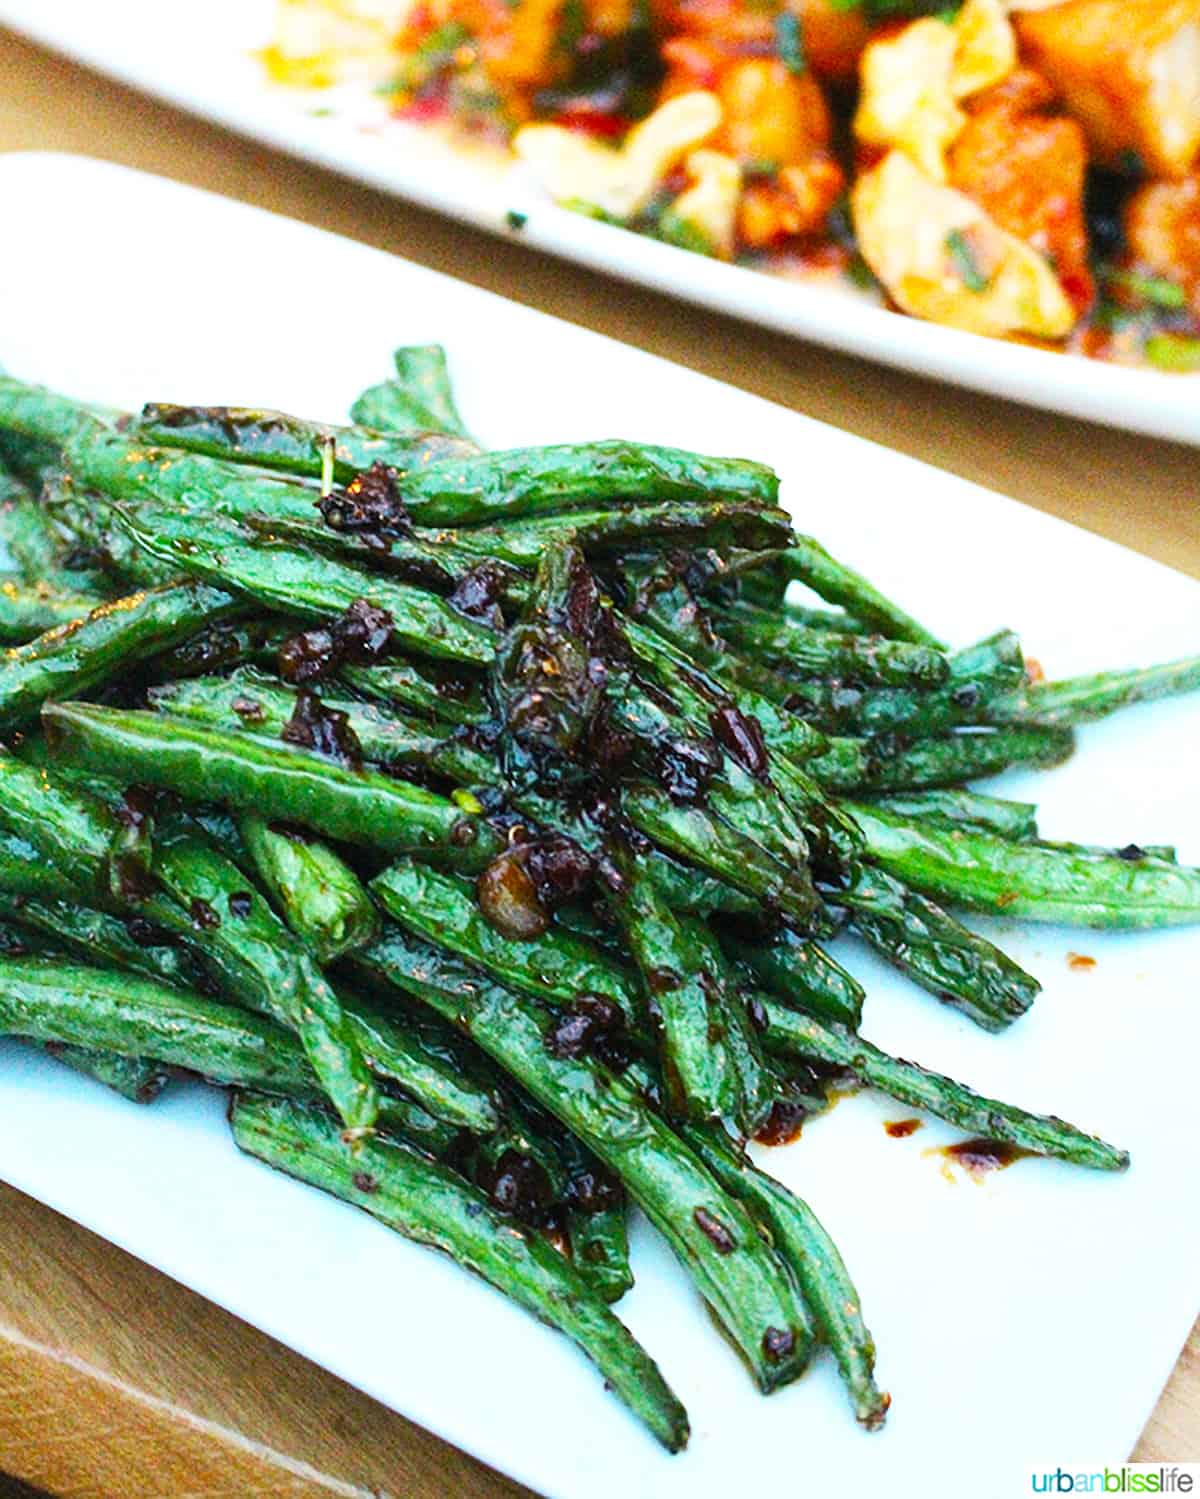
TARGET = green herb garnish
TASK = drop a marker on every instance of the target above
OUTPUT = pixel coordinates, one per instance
(1174, 352)
(965, 264)
(789, 42)
(1157, 291)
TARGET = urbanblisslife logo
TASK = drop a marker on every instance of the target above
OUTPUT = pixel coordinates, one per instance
(1132, 1478)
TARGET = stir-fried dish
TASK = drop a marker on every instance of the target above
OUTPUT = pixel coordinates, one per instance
(1026, 170)
(489, 822)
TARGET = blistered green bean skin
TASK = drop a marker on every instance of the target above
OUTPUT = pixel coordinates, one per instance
(713, 1237)
(689, 998)
(426, 1059)
(813, 1256)
(798, 971)
(962, 968)
(783, 643)
(556, 967)
(305, 583)
(427, 1203)
(75, 658)
(91, 856)
(317, 893)
(261, 964)
(273, 440)
(134, 1078)
(853, 766)
(986, 873)
(28, 609)
(97, 936)
(269, 779)
(799, 1035)
(966, 809)
(139, 1017)
(1077, 700)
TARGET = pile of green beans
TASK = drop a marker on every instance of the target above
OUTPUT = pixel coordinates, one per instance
(483, 821)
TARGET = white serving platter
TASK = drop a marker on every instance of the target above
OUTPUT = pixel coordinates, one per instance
(201, 57)
(1024, 1322)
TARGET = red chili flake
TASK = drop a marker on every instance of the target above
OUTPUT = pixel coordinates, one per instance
(900, 1129)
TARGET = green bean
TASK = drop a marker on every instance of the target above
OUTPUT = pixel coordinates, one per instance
(783, 643)
(596, 1221)
(411, 1048)
(35, 544)
(100, 936)
(317, 893)
(273, 440)
(986, 873)
(962, 968)
(134, 1078)
(304, 584)
(689, 997)
(260, 963)
(89, 852)
(807, 560)
(1077, 700)
(134, 1016)
(966, 809)
(80, 656)
(420, 398)
(710, 1233)
(269, 779)
(814, 1259)
(699, 837)
(854, 765)
(425, 1202)
(29, 609)
(131, 1016)
(799, 972)
(978, 676)
(451, 698)
(546, 481)
(556, 967)
(792, 1034)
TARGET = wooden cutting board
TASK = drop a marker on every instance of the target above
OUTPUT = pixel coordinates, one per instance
(115, 1383)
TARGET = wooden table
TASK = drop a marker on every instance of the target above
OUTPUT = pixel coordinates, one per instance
(119, 1384)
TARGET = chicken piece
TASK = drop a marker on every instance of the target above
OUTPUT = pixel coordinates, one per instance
(1026, 167)
(942, 257)
(619, 182)
(1162, 229)
(914, 80)
(834, 37)
(771, 114)
(1129, 71)
(795, 204)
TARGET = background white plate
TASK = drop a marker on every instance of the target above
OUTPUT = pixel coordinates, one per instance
(1027, 1321)
(200, 57)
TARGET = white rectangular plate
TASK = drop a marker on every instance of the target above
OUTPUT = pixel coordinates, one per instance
(1025, 1321)
(201, 57)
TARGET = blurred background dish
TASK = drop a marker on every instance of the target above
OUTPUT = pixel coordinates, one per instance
(1045, 218)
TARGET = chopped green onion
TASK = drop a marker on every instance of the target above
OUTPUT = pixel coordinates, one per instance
(1156, 290)
(965, 264)
(789, 42)
(1174, 352)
